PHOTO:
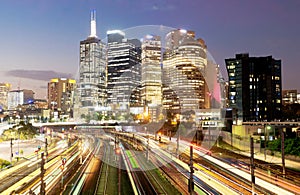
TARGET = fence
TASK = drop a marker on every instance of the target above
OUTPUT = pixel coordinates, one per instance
(239, 142)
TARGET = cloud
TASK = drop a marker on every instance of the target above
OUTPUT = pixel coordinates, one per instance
(161, 5)
(155, 7)
(41, 75)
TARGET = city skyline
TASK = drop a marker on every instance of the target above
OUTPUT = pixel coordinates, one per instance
(40, 40)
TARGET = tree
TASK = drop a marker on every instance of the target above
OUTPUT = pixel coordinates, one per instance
(291, 111)
(291, 146)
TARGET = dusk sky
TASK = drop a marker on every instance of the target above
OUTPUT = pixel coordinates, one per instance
(40, 38)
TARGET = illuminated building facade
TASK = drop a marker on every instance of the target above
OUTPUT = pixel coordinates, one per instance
(151, 92)
(254, 87)
(123, 70)
(4, 89)
(289, 97)
(184, 65)
(61, 94)
(92, 70)
(19, 97)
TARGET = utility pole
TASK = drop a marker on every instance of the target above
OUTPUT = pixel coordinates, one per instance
(63, 162)
(137, 143)
(282, 153)
(11, 150)
(209, 144)
(178, 137)
(80, 148)
(252, 165)
(46, 147)
(43, 192)
(147, 147)
(191, 180)
(265, 142)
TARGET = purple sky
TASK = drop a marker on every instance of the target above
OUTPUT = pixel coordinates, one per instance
(40, 39)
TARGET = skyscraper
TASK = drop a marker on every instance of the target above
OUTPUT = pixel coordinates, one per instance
(151, 83)
(254, 87)
(184, 67)
(4, 89)
(123, 70)
(60, 95)
(92, 70)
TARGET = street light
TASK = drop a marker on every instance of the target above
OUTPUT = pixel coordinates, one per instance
(266, 135)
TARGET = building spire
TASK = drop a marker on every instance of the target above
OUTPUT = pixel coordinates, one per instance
(93, 23)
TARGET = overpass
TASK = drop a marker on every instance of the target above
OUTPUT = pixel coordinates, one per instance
(274, 123)
(54, 124)
(78, 124)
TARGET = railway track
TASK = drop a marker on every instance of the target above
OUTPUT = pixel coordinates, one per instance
(101, 187)
(151, 174)
(225, 176)
(142, 180)
(30, 173)
(173, 175)
(170, 172)
(264, 170)
(28, 167)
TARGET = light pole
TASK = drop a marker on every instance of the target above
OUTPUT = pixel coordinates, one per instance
(282, 153)
(266, 135)
(265, 142)
(146, 130)
(42, 189)
(11, 150)
(18, 145)
(191, 179)
(252, 165)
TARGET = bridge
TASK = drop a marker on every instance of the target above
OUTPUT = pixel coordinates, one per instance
(54, 124)
(275, 123)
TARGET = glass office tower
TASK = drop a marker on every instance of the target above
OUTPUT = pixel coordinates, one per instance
(92, 70)
(123, 70)
(184, 66)
(151, 91)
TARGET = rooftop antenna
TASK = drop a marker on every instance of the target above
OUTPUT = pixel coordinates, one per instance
(93, 23)
(18, 87)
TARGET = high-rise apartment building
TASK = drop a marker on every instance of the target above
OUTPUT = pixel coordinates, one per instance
(60, 95)
(151, 83)
(184, 66)
(123, 70)
(92, 70)
(19, 97)
(4, 89)
(254, 87)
